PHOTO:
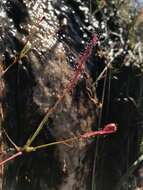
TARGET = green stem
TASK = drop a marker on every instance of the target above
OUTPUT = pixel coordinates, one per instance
(54, 143)
(44, 120)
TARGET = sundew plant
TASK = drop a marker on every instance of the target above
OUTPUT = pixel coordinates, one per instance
(71, 95)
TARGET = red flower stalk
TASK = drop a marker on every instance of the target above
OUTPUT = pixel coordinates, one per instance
(108, 129)
(81, 63)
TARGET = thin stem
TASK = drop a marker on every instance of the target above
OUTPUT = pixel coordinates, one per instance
(99, 125)
(11, 141)
(55, 143)
(50, 111)
(10, 158)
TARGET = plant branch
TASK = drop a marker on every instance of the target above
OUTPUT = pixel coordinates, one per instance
(80, 67)
(108, 129)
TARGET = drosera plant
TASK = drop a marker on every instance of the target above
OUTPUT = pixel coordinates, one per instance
(108, 129)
